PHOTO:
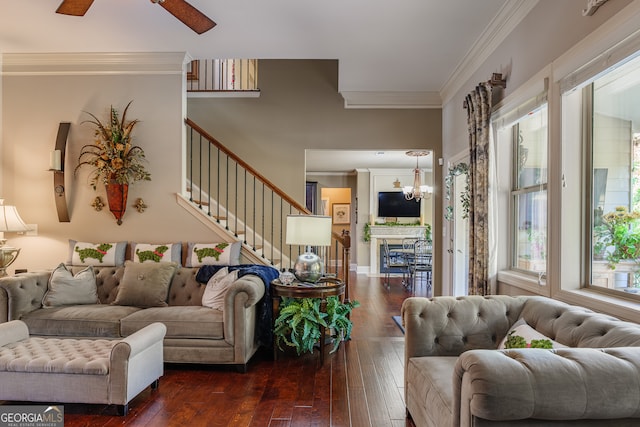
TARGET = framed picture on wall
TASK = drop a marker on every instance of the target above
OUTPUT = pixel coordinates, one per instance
(341, 213)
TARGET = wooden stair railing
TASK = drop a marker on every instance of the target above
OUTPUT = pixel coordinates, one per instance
(248, 205)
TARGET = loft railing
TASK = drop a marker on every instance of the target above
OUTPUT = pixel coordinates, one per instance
(249, 206)
(223, 75)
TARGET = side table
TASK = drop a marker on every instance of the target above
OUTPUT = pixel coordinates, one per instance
(325, 287)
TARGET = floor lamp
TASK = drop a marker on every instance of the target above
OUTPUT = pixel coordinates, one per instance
(10, 221)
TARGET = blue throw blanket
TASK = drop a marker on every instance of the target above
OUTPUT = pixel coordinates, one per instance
(264, 321)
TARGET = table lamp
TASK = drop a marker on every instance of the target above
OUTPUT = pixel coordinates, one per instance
(308, 231)
(9, 221)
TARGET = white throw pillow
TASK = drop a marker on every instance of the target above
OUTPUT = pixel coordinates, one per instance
(66, 289)
(146, 252)
(521, 328)
(100, 254)
(224, 253)
(217, 287)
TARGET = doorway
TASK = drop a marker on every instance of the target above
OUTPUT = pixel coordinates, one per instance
(457, 214)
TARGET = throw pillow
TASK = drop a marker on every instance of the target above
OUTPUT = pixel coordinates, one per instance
(145, 284)
(521, 328)
(225, 253)
(102, 254)
(145, 252)
(216, 289)
(66, 289)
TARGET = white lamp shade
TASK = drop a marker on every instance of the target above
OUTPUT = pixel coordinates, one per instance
(310, 230)
(10, 219)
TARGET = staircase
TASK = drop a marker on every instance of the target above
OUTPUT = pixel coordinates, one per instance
(239, 204)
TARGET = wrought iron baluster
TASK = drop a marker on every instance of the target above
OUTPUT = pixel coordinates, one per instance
(226, 203)
(190, 164)
(209, 180)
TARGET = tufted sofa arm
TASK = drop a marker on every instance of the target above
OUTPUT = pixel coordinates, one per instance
(239, 319)
(23, 293)
(562, 384)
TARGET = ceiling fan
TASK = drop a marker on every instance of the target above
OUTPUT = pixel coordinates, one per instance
(189, 15)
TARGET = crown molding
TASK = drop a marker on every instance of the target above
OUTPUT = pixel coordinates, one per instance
(374, 99)
(319, 173)
(507, 19)
(24, 64)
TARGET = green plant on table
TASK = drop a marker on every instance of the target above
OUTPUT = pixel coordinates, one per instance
(300, 320)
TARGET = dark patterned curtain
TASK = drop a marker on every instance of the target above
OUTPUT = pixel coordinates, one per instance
(478, 105)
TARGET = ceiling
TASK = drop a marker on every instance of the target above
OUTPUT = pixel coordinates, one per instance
(403, 51)
(406, 53)
(347, 161)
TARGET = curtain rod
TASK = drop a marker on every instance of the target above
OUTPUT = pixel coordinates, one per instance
(495, 80)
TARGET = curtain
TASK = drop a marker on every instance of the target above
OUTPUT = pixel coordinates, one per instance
(478, 105)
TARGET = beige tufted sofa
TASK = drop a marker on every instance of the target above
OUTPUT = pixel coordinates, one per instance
(455, 376)
(195, 334)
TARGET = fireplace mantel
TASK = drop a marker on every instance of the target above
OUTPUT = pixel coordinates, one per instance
(396, 232)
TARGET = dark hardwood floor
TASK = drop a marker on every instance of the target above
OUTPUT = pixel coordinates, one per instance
(359, 385)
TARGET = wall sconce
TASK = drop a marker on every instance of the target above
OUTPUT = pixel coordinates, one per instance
(97, 204)
(139, 205)
(56, 165)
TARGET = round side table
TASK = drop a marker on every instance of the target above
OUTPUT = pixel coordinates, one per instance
(325, 287)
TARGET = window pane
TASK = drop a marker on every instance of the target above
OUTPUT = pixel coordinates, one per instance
(529, 193)
(615, 210)
(531, 149)
(531, 231)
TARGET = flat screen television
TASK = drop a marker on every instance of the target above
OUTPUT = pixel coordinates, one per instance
(393, 204)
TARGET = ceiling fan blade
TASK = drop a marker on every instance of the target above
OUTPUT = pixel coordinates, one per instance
(74, 7)
(188, 14)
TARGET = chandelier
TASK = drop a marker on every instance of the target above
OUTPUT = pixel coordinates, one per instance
(417, 191)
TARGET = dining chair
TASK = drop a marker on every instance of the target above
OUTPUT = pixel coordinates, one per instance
(394, 260)
(408, 243)
(421, 262)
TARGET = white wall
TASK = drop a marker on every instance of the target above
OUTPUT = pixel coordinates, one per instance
(547, 32)
(34, 104)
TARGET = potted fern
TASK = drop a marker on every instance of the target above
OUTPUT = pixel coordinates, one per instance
(300, 321)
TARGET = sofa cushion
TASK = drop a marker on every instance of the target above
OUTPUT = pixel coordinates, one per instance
(66, 289)
(181, 322)
(57, 356)
(104, 254)
(225, 253)
(145, 284)
(429, 380)
(217, 287)
(92, 320)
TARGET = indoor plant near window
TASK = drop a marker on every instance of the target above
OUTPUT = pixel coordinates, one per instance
(300, 319)
(116, 161)
(617, 237)
(536, 259)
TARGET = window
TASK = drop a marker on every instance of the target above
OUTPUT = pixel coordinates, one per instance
(529, 192)
(611, 102)
(522, 145)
